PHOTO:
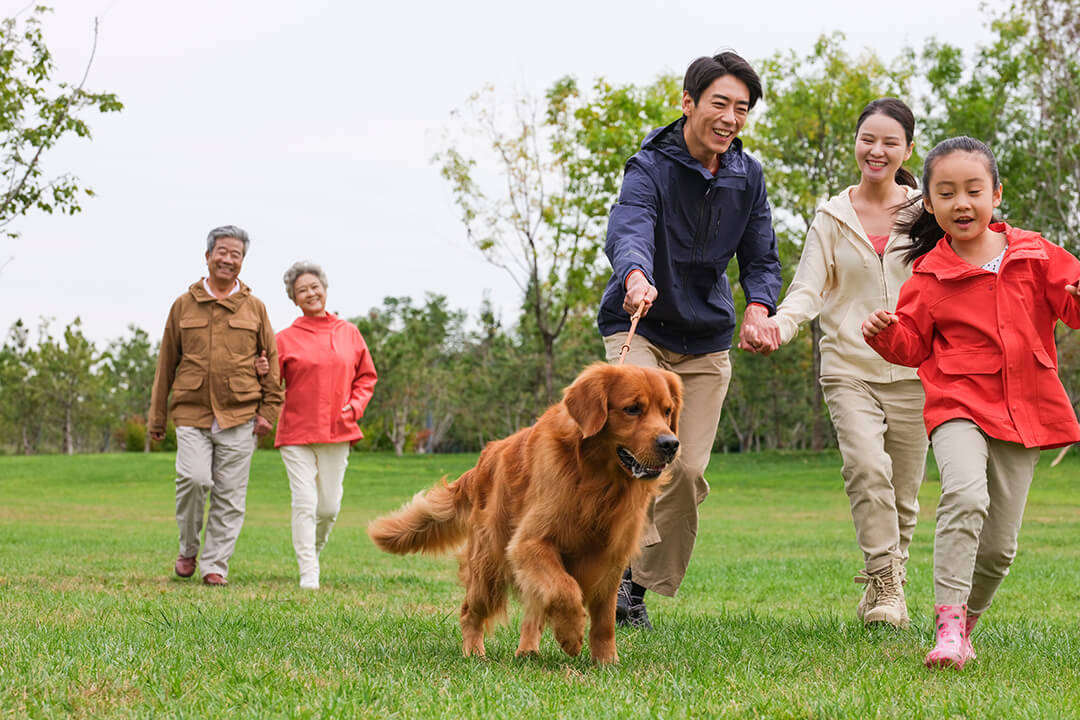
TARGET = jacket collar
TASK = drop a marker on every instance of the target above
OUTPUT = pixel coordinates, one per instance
(317, 324)
(945, 264)
(232, 303)
(669, 140)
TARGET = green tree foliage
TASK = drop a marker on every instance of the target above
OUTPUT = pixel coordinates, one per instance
(129, 366)
(18, 392)
(415, 350)
(1020, 94)
(804, 138)
(557, 173)
(35, 113)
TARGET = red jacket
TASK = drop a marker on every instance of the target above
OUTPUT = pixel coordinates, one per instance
(984, 342)
(325, 365)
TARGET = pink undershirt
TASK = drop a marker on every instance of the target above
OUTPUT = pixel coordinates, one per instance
(879, 242)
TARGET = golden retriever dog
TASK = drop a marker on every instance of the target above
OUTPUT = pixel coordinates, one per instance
(555, 510)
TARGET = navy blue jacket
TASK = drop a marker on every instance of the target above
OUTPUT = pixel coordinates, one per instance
(681, 226)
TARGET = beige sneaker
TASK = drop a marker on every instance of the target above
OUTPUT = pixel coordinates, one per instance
(883, 600)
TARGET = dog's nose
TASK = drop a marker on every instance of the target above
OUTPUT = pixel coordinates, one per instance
(668, 445)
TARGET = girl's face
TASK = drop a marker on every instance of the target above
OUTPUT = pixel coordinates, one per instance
(881, 148)
(961, 195)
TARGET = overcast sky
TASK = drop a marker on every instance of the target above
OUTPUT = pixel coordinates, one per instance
(312, 124)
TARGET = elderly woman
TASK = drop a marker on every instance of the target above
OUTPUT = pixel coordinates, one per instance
(329, 377)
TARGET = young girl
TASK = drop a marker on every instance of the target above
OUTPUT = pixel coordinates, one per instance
(846, 270)
(977, 318)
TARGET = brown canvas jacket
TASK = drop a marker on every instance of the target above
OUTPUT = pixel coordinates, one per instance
(207, 362)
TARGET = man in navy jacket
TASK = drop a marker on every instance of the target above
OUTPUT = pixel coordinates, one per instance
(691, 199)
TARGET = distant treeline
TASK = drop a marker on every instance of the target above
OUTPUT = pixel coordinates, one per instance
(448, 382)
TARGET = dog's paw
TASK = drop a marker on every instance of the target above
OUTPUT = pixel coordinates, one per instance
(526, 653)
(568, 626)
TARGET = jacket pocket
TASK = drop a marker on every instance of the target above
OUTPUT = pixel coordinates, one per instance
(242, 338)
(194, 336)
(970, 363)
(245, 389)
(972, 379)
(185, 386)
(1044, 359)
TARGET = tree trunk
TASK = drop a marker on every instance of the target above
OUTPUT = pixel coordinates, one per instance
(549, 368)
(69, 443)
(817, 431)
(27, 444)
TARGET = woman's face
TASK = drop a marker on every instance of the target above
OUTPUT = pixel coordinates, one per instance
(310, 295)
(881, 148)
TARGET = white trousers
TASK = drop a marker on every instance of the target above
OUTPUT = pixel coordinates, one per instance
(316, 477)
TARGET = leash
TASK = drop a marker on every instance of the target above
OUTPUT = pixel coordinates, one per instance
(630, 334)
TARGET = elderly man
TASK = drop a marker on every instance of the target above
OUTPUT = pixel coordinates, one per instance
(691, 200)
(213, 334)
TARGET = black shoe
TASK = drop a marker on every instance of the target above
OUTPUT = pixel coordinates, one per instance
(623, 601)
(636, 617)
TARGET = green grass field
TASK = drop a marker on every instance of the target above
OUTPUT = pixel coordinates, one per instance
(93, 623)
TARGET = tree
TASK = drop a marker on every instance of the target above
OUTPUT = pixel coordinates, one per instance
(545, 228)
(19, 401)
(35, 114)
(414, 349)
(129, 366)
(805, 138)
(1019, 94)
(70, 385)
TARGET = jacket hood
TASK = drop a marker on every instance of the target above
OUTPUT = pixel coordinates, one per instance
(233, 302)
(839, 207)
(318, 325)
(669, 140)
(943, 262)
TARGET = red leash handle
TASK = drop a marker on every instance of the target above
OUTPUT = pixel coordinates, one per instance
(630, 335)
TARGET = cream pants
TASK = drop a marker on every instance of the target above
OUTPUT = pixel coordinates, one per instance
(672, 522)
(882, 439)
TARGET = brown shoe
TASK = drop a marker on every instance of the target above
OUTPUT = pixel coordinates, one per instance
(214, 579)
(185, 566)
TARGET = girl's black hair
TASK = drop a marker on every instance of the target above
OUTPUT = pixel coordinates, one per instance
(919, 224)
(901, 113)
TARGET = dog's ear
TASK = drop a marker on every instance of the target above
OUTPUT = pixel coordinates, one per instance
(587, 398)
(675, 386)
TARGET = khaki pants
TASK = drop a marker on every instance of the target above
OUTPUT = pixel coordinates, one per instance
(316, 477)
(672, 523)
(218, 463)
(984, 487)
(882, 439)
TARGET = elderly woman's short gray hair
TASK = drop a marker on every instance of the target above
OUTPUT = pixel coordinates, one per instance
(227, 231)
(298, 269)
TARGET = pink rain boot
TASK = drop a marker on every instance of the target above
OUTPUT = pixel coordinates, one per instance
(952, 648)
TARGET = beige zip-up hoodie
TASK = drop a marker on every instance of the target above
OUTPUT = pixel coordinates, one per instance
(841, 278)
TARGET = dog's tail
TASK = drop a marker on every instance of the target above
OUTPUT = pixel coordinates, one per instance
(432, 522)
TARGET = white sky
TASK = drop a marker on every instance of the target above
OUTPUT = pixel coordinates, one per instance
(312, 124)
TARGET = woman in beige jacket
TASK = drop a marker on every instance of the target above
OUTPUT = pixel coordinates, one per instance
(846, 271)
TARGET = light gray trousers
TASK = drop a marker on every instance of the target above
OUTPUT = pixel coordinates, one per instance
(218, 464)
(984, 488)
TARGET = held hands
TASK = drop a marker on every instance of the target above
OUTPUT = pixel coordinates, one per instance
(1073, 289)
(878, 321)
(157, 436)
(262, 365)
(262, 426)
(759, 333)
(638, 289)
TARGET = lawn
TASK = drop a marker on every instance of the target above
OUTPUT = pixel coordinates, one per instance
(94, 624)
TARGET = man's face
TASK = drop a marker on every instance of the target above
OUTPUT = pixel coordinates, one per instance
(718, 115)
(225, 260)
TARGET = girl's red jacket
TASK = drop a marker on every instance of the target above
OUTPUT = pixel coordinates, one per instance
(984, 342)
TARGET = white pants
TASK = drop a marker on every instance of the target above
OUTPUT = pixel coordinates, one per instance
(316, 475)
